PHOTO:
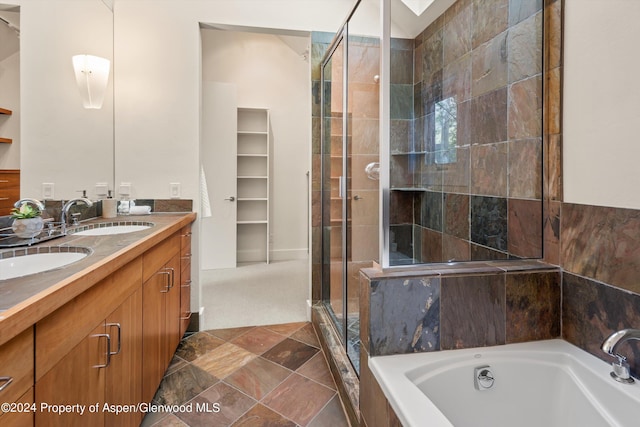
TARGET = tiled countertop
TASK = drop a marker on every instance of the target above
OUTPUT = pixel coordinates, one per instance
(26, 300)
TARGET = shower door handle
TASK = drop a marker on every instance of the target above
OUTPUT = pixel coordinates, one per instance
(230, 198)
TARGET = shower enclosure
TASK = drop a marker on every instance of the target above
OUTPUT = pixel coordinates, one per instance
(442, 120)
(350, 182)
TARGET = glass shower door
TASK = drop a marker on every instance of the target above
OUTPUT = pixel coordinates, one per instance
(350, 185)
(333, 187)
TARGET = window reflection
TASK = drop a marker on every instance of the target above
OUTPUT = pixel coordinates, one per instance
(445, 131)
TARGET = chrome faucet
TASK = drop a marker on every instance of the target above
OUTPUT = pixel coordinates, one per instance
(621, 370)
(67, 206)
(35, 202)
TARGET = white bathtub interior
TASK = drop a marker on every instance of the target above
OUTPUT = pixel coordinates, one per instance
(547, 383)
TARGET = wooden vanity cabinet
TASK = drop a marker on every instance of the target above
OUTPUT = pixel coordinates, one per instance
(89, 352)
(16, 379)
(161, 312)
(185, 278)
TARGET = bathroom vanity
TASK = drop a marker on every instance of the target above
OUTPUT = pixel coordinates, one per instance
(97, 333)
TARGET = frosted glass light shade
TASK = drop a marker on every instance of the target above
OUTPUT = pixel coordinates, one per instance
(92, 75)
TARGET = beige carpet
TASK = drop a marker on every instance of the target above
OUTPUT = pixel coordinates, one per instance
(255, 294)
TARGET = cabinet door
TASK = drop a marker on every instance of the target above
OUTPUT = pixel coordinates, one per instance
(16, 378)
(124, 375)
(79, 380)
(153, 333)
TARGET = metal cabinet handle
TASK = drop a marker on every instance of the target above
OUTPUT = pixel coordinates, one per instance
(187, 234)
(186, 256)
(117, 325)
(230, 198)
(172, 276)
(188, 316)
(5, 382)
(108, 352)
(166, 286)
(186, 284)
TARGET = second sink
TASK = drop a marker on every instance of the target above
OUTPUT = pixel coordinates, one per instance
(108, 228)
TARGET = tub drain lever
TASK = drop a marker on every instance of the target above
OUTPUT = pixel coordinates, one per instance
(483, 378)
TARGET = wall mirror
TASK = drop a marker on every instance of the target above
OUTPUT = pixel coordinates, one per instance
(465, 131)
(61, 144)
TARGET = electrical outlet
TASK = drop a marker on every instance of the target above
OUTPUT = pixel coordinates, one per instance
(174, 190)
(48, 190)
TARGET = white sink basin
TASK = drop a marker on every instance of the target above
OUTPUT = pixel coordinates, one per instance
(108, 228)
(48, 258)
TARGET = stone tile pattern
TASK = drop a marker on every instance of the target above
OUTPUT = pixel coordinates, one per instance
(487, 57)
(601, 262)
(267, 376)
(445, 311)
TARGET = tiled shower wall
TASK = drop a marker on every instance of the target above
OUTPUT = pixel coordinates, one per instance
(477, 195)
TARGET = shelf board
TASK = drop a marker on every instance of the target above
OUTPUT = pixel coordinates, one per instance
(408, 189)
(410, 153)
(252, 177)
(252, 199)
(6, 112)
(252, 222)
(252, 155)
(6, 140)
(252, 132)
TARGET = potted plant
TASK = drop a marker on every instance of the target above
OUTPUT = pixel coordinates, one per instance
(27, 222)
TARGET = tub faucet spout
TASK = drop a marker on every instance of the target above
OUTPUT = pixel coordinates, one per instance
(610, 345)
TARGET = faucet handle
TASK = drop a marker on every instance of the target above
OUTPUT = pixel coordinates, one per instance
(84, 193)
(621, 370)
(75, 218)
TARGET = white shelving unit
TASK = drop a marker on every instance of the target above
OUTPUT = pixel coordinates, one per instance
(253, 185)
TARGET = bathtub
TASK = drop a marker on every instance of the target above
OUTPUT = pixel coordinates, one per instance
(545, 383)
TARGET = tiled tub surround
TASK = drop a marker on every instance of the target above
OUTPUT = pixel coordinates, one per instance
(459, 306)
(479, 196)
(592, 295)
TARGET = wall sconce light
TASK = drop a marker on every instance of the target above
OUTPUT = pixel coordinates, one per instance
(92, 75)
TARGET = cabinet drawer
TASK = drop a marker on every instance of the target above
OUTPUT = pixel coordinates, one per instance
(185, 240)
(16, 362)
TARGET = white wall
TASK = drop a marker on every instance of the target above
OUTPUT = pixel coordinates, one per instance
(601, 110)
(62, 142)
(157, 55)
(269, 74)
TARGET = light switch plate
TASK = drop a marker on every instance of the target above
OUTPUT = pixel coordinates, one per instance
(174, 190)
(48, 190)
(102, 189)
(125, 189)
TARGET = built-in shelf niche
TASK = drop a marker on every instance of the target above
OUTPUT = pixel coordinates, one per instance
(253, 185)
